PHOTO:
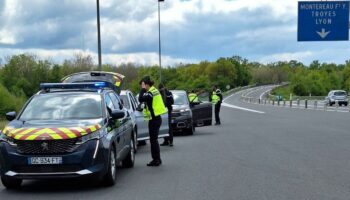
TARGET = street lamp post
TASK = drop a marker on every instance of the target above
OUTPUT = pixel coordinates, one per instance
(160, 47)
(99, 36)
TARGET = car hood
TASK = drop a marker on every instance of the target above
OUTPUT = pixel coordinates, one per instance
(51, 129)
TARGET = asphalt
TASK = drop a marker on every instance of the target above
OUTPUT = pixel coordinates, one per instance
(276, 154)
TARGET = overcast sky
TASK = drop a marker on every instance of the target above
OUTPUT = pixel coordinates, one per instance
(192, 31)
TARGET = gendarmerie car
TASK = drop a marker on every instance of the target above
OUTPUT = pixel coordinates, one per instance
(67, 130)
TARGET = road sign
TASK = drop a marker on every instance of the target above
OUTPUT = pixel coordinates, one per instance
(323, 20)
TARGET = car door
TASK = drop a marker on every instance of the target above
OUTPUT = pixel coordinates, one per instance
(201, 113)
(164, 128)
(114, 128)
(142, 125)
(124, 124)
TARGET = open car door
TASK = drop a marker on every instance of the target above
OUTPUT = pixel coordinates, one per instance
(115, 79)
(201, 113)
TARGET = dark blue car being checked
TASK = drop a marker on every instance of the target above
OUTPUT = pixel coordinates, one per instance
(66, 130)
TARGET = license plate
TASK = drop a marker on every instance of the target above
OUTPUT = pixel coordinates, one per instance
(45, 160)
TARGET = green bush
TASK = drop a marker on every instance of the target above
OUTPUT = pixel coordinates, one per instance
(9, 102)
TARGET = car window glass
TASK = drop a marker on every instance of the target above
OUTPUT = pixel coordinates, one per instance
(180, 99)
(340, 93)
(133, 104)
(116, 101)
(63, 106)
(125, 100)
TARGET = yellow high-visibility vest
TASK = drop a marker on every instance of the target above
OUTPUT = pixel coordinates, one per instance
(215, 98)
(157, 104)
(193, 97)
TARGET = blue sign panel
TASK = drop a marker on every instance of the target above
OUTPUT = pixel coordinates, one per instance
(323, 21)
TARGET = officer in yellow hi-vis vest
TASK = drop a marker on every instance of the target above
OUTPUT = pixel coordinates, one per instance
(216, 100)
(154, 108)
(193, 97)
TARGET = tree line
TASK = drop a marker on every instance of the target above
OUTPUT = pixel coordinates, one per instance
(20, 75)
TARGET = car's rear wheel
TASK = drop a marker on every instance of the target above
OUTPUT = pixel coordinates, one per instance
(111, 176)
(129, 161)
(11, 183)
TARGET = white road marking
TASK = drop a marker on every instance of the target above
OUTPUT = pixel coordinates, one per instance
(241, 108)
(238, 107)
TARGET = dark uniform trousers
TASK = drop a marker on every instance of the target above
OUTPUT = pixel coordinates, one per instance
(217, 111)
(153, 127)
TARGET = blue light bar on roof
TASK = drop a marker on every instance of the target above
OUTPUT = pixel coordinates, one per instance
(83, 85)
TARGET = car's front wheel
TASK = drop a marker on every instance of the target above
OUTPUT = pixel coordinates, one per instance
(136, 142)
(111, 176)
(129, 161)
(191, 130)
(11, 183)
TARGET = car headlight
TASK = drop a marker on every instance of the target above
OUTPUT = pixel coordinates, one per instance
(92, 136)
(185, 112)
(7, 139)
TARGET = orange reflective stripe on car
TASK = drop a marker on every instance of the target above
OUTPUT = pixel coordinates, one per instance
(49, 133)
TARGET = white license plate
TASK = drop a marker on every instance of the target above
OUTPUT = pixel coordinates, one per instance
(45, 160)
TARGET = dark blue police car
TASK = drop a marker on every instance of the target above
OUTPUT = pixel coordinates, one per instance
(67, 130)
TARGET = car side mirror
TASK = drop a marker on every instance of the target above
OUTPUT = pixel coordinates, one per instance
(118, 114)
(11, 115)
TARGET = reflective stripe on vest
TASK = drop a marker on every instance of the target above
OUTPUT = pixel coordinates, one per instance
(215, 98)
(157, 104)
(193, 97)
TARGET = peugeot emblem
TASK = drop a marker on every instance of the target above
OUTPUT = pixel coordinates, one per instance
(45, 146)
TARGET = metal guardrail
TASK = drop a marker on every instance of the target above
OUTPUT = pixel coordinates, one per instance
(302, 104)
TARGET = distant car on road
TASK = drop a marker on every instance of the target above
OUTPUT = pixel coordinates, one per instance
(337, 96)
(186, 115)
(139, 124)
(67, 130)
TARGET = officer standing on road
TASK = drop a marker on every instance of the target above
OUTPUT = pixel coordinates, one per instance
(193, 97)
(216, 100)
(154, 108)
(168, 101)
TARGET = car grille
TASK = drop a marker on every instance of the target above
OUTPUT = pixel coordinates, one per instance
(46, 147)
(177, 114)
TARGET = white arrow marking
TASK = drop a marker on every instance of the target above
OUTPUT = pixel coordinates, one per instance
(323, 34)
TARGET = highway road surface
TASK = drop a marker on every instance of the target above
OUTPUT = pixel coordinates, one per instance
(259, 152)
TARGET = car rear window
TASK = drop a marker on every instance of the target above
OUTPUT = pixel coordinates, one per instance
(340, 93)
(63, 106)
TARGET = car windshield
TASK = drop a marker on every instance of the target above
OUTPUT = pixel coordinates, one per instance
(340, 93)
(63, 106)
(180, 99)
(125, 100)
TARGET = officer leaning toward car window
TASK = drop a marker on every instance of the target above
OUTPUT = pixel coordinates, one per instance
(168, 101)
(154, 108)
(193, 97)
(216, 100)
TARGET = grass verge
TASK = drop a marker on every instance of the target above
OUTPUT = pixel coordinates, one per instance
(3, 123)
